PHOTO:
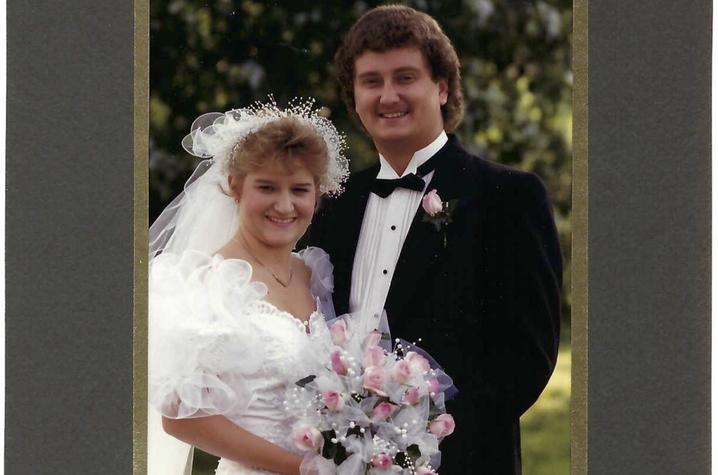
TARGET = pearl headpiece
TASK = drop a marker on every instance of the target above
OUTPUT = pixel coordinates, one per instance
(216, 135)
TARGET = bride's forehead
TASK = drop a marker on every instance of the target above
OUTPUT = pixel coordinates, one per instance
(281, 171)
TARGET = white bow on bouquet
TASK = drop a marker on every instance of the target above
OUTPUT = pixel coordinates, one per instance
(372, 407)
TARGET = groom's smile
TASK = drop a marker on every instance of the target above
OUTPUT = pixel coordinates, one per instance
(397, 100)
(392, 115)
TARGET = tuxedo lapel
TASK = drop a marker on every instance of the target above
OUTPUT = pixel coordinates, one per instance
(424, 244)
(351, 211)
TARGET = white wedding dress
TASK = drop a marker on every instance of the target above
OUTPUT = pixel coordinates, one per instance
(216, 346)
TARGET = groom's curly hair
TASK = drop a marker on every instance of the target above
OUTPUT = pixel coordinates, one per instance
(397, 26)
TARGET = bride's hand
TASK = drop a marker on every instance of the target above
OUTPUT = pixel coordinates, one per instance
(314, 464)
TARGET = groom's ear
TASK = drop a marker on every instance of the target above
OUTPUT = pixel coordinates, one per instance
(443, 91)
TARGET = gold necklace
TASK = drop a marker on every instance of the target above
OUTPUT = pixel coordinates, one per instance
(244, 244)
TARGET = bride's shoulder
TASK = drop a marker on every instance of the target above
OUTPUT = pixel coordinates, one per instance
(194, 272)
(191, 260)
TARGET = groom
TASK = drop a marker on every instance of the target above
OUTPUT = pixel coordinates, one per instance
(478, 284)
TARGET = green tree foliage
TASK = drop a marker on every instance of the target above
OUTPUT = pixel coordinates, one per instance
(515, 54)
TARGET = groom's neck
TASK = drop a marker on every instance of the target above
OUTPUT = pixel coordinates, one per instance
(397, 161)
(399, 153)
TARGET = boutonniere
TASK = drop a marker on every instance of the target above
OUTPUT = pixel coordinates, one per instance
(438, 212)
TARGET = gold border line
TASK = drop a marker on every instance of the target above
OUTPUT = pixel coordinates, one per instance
(579, 243)
(141, 216)
(579, 248)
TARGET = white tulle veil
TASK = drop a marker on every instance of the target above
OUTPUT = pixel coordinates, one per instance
(204, 217)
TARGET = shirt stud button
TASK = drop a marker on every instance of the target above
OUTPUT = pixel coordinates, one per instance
(393, 228)
(385, 272)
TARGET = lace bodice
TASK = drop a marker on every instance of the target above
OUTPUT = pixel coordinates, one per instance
(216, 346)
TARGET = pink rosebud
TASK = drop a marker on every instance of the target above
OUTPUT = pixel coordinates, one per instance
(333, 400)
(306, 437)
(411, 396)
(434, 386)
(372, 339)
(418, 364)
(381, 461)
(374, 356)
(423, 470)
(374, 378)
(338, 364)
(442, 426)
(338, 331)
(431, 202)
(401, 371)
(383, 411)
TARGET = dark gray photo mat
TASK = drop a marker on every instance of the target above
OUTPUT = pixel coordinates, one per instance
(69, 237)
(649, 237)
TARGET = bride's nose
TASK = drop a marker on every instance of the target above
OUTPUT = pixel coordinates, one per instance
(284, 203)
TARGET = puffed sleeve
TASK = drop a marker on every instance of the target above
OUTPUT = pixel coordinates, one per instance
(202, 344)
(322, 281)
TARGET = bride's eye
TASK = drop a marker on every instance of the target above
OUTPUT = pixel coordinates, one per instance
(265, 188)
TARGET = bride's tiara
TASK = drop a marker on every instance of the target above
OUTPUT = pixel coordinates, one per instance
(215, 135)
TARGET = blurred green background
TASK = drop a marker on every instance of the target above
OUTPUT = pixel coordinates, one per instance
(515, 54)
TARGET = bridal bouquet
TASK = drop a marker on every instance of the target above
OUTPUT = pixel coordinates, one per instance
(372, 408)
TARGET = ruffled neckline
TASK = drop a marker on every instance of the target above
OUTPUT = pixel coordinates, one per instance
(305, 326)
(218, 275)
(321, 284)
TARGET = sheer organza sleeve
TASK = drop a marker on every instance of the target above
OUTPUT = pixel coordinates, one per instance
(202, 340)
(322, 282)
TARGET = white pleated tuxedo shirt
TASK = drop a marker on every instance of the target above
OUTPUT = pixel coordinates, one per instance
(384, 228)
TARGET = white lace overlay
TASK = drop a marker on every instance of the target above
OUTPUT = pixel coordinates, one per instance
(216, 346)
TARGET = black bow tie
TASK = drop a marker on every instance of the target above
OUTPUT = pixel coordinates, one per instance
(384, 188)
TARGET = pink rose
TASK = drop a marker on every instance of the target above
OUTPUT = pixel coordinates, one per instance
(338, 364)
(374, 356)
(401, 371)
(372, 339)
(381, 461)
(423, 470)
(338, 331)
(418, 364)
(431, 202)
(333, 400)
(434, 386)
(374, 379)
(442, 426)
(306, 437)
(411, 396)
(383, 411)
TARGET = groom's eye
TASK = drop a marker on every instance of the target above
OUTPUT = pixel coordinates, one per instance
(370, 82)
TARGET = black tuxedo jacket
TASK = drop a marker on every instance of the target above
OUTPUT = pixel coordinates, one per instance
(486, 306)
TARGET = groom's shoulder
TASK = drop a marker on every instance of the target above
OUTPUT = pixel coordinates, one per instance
(501, 178)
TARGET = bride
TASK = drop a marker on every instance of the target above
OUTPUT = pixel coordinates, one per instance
(232, 308)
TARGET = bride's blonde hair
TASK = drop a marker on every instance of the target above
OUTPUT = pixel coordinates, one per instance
(288, 142)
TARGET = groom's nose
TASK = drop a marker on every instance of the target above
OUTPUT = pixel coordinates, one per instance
(388, 93)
